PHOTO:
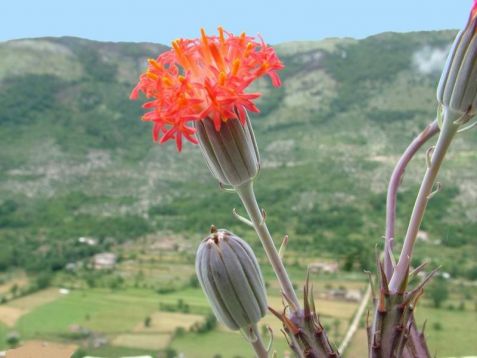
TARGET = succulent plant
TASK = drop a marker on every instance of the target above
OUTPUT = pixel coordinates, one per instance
(305, 334)
(393, 333)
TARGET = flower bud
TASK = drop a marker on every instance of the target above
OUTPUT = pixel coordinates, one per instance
(457, 88)
(231, 279)
(231, 152)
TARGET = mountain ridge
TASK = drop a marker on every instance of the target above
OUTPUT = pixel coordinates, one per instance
(74, 156)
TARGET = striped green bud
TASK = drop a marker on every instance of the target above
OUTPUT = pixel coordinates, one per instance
(457, 88)
(229, 274)
(231, 152)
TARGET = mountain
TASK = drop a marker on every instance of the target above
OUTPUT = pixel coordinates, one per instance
(75, 160)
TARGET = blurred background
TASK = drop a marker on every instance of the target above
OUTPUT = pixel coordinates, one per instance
(99, 225)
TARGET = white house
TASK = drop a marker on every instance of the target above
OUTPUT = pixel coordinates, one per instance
(104, 261)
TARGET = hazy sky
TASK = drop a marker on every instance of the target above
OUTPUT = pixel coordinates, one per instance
(278, 21)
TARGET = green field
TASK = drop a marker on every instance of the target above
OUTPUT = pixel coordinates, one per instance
(95, 309)
(119, 316)
(457, 335)
(228, 345)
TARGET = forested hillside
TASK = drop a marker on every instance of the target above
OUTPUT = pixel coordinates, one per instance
(75, 160)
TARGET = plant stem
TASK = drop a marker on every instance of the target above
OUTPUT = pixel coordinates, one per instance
(448, 131)
(247, 195)
(257, 344)
(394, 182)
(356, 320)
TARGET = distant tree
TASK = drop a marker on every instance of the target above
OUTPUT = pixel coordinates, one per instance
(194, 282)
(80, 353)
(472, 273)
(438, 292)
(90, 280)
(147, 321)
(170, 353)
(43, 280)
(182, 306)
(209, 324)
(179, 332)
(14, 290)
(12, 339)
(116, 283)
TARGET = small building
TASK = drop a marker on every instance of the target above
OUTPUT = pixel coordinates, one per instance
(446, 275)
(104, 261)
(87, 241)
(337, 294)
(165, 244)
(64, 291)
(353, 295)
(323, 267)
(98, 340)
(71, 266)
(423, 235)
(79, 331)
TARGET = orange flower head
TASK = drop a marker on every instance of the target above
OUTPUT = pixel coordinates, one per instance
(204, 78)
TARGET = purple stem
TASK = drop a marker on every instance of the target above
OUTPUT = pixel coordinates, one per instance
(447, 133)
(395, 181)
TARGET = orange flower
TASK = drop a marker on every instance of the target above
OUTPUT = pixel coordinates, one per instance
(204, 78)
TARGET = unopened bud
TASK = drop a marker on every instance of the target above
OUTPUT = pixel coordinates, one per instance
(457, 88)
(231, 152)
(229, 274)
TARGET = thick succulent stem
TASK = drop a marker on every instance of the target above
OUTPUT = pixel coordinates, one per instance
(448, 131)
(393, 186)
(305, 334)
(247, 195)
(257, 344)
(390, 328)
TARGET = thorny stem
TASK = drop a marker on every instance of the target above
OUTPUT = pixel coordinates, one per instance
(416, 345)
(448, 131)
(257, 344)
(393, 186)
(247, 195)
